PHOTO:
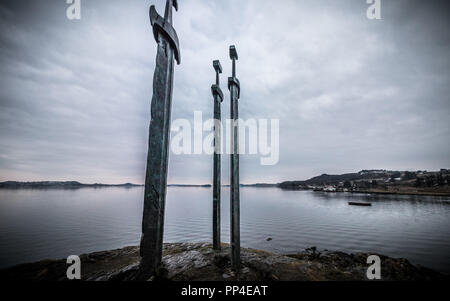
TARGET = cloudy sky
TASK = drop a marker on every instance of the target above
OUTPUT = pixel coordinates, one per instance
(350, 93)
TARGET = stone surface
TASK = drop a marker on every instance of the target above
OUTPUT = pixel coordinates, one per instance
(198, 261)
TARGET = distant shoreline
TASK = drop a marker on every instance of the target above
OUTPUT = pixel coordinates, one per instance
(59, 185)
(424, 193)
(77, 185)
(290, 185)
(190, 185)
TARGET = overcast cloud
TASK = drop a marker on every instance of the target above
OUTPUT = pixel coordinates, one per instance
(351, 93)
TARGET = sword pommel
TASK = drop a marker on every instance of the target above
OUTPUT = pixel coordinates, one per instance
(215, 89)
(233, 52)
(217, 66)
(168, 11)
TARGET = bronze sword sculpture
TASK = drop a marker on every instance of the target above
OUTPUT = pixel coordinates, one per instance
(158, 145)
(218, 98)
(235, 240)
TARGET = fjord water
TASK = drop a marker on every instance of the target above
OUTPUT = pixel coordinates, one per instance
(38, 224)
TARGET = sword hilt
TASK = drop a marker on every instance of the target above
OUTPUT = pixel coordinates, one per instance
(215, 89)
(233, 81)
(234, 57)
(164, 26)
(218, 68)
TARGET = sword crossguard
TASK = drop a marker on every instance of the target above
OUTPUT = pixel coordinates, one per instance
(215, 90)
(233, 81)
(163, 27)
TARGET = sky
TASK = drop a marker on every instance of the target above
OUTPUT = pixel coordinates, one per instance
(350, 93)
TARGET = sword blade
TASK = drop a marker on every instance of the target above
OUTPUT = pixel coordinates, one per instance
(157, 159)
(234, 182)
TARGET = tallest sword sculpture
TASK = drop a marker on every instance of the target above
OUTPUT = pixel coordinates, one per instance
(218, 98)
(158, 145)
(235, 90)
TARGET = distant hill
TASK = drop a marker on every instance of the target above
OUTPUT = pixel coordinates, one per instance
(326, 179)
(58, 184)
(75, 185)
(375, 177)
(189, 185)
(260, 185)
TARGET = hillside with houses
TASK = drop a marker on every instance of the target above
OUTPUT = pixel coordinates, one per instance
(378, 181)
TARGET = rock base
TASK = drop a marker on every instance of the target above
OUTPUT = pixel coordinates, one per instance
(199, 262)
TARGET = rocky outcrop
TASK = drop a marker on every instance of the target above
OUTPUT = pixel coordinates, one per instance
(198, 261)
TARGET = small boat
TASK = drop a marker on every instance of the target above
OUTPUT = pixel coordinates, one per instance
(360, 204)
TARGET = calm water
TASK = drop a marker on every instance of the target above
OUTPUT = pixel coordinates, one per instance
(38, 224)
